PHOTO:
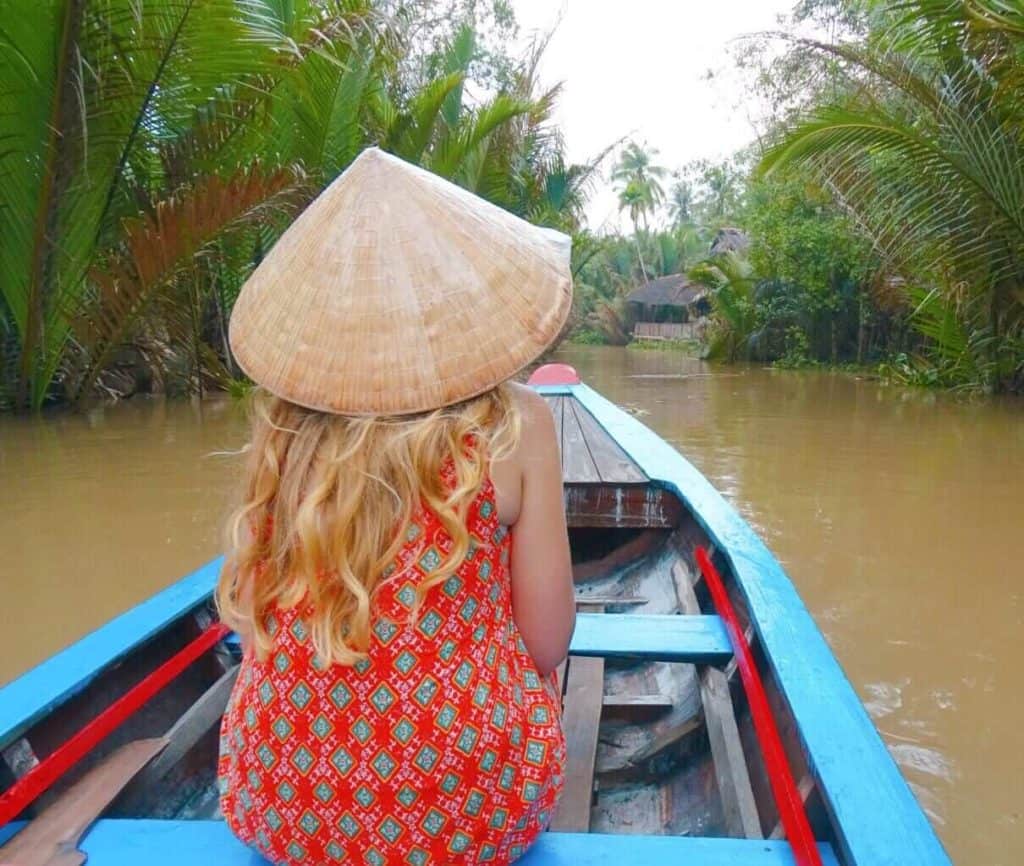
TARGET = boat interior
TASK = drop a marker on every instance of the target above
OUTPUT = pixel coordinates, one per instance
(654, 747)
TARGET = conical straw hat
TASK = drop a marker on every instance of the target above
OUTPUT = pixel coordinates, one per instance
(399, 292)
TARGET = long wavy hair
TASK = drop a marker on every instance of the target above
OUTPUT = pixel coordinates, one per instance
(326, 502)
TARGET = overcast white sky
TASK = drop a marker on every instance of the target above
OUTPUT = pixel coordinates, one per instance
(639, 68)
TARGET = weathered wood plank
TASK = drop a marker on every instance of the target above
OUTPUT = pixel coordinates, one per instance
(176, 843)
(584, 691)
(53, 836)
(607, 600)
(636, 708)
(658, 637)
(557, 405)
(581, 721)
(614, 465)
(731, 772)
(632, 506)
(578, 466)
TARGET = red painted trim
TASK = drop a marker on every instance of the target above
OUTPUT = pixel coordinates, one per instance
(787, 797)
(555, 374)
(39, 779)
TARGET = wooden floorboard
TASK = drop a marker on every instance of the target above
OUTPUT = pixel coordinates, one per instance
(581, 720)
(584, 695)
(578, 466)
(613, 464)
(731, 772)
(557, 405)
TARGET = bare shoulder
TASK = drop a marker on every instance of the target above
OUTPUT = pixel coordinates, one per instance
(533, 407)
(538, 440)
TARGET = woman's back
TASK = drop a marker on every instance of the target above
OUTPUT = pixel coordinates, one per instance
(443, 746)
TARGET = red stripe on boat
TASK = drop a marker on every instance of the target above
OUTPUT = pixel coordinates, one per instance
(787, 797)
(39, 779)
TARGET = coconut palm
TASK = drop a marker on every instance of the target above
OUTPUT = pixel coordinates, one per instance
(732, 285)
(639, 177)
(640, 192)
(680, 202)
(928, 152)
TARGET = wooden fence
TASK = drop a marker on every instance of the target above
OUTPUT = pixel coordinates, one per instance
(668, 330)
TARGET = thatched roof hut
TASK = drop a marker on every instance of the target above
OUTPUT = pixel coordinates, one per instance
(671, 291)
(730, 240)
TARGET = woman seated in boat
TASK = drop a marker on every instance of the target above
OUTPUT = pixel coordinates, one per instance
(399, 567)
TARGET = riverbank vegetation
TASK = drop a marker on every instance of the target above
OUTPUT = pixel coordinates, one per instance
(151, 152)
(878, 219)
(883, 200)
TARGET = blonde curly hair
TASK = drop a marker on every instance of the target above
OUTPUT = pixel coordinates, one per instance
(326, 501)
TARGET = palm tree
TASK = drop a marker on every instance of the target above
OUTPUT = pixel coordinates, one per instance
(96, 216)
(732, 286)
(927, 151)
(155, 179)
(640, 191)
(680, 202)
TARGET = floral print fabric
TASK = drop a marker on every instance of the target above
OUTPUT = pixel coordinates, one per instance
(444, 747)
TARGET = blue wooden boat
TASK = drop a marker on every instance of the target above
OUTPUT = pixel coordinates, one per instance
(664, 764)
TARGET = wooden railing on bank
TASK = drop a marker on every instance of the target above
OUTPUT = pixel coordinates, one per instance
(667, 330)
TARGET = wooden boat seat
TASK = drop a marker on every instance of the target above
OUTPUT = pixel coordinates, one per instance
(124, 842)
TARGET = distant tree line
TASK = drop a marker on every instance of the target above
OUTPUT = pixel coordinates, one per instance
(884, 199)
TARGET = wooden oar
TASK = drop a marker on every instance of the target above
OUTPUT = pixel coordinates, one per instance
(52, 838)
(787, 797)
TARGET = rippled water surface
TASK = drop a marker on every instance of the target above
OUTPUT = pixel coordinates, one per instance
(899, 515)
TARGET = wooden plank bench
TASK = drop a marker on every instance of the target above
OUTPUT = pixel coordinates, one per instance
(199, 843)
(655, 637)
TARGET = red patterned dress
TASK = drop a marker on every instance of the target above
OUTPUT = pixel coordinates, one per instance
(445, 747)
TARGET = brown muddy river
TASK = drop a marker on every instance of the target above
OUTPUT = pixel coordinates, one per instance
(899, 515)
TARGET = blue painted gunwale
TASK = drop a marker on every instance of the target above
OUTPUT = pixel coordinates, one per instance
(30, 697)
(877, 820)
(174, 843)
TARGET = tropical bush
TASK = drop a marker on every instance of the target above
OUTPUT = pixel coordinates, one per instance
(922, 143)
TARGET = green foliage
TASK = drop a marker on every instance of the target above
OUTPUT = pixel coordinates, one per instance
(691, 347)
(922, 142)
(141, 185)
(737, 323)
(588, 337)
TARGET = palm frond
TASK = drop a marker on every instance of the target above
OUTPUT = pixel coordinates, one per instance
(158, 247)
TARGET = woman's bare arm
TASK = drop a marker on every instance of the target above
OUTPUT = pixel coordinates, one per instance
(541, 569)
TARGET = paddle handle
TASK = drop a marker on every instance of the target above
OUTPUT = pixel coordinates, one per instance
(784, 789)
(64, 757)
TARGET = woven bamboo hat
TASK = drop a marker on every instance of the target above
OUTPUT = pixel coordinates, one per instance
(398, 292)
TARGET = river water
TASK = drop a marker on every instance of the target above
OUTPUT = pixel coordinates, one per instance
(898, 514)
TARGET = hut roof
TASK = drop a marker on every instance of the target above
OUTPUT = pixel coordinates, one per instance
(672, 291)
(730, 240)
